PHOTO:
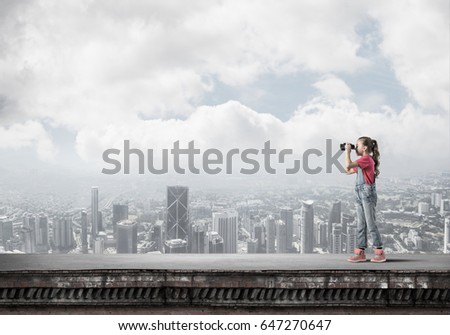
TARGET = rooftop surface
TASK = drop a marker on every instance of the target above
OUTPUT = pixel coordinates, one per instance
(218, 262)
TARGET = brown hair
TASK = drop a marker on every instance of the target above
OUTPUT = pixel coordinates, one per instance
(372, 146)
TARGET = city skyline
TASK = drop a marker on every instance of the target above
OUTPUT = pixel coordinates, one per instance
(239, 222)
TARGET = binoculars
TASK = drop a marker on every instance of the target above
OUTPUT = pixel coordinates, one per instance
(343, 146)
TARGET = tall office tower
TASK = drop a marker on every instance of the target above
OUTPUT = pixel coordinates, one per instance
(352, 239)
(281, 230)
(157, 235)
(334, 217)
(258, 234)
(94, 211)
(445, 207)
(175, 246)
(198, 239)
(225, 223)
(63, 233)
(100, 222)
(287, 215)
(423, 208)
(6, 230)
(42, 234)
(127, 237)
(120, 213)
(84, 232)
(336, 239)
(436, 199)
(323, 235)
(29, 240)
(99, 245)
(447, 235)
(252, 246)
(307, 233)
(215, 245)
(177, 221)
(271, 234)
(346, 219)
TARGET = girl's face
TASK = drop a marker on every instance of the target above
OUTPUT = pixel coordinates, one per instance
(360, 148)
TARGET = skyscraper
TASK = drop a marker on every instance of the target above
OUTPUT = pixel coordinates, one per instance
(215, 245)
(307, 230)
(177, 220)
(94, 211)
(157, 235)
(447, 235)
(120, 213)
(63, 233)
(198, 240)
(84, 232)
(281, 229)
(42, 234)
(258, 234)
(334, 217)
(287, 215)
(225, 223)
(271, 234)
(352, 233)
(127, 237)
(6, 230)
(336, 239)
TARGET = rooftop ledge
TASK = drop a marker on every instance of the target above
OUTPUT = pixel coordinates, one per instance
(225, 283)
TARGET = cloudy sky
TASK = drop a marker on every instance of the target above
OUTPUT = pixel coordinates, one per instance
(79, 77)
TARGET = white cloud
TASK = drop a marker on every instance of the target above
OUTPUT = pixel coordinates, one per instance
(333, 87)
(28, 134)
(416, 41)
(404, 137)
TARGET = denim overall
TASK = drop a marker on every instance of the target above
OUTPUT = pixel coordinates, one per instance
(366, 201)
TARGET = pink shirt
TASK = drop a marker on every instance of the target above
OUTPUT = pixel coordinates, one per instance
(367, 164)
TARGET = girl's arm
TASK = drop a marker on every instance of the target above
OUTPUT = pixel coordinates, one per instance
(348, 162)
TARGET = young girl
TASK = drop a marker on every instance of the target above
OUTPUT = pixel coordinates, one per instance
(366, 169)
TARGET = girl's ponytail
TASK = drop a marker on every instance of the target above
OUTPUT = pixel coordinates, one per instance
(376, 157)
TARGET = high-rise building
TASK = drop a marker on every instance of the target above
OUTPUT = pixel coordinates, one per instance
(445, 207)
(271, 234)
(258, 234)
(352, 239)
(307, 230)
(177, 220)
(120, 213)
(199, 239)
(157, 235)
(63, 233)
(99, 245)
(323, 234)
(287, 216)
(175, 246)
(94, 211)
(127, 237)
(423, 208)
(447, 235)
(225, 223)
(334, 217)
(42, 232)
(29, 240)
(436, 199)
(252, 246)
(336, 239)
(84, 232)
(6, 230)
(281, 230)
(215, 245)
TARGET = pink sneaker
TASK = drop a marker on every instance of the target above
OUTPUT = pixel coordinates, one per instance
(379, 256)
(360, 256)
